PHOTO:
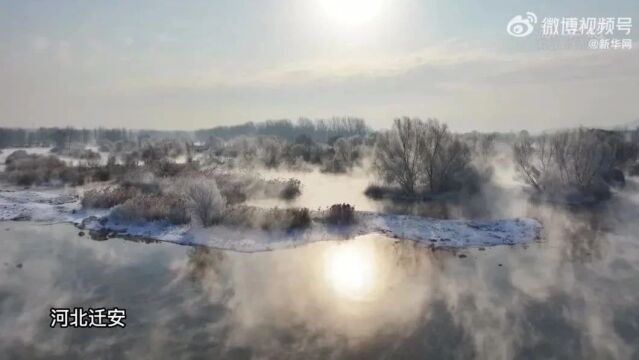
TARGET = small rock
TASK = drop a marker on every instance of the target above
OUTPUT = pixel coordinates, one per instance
(81, 233)
(19, 265)
(461, 256)
(98, 235)
(499, 265)
(482, 249)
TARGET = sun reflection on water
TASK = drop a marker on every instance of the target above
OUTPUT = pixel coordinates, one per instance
(350, 269)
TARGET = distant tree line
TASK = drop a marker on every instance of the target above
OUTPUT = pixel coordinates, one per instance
(59, 137)
(64, 137)
(318, 130)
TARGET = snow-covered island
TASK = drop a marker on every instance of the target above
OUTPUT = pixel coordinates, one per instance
(60, 206)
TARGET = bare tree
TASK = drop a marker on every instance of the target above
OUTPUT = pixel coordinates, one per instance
(398, 152)
(523, 153)
(586, 158)
(205, 200)
(568, 159)
(452, 165)
(270, 150)
(422, 153)
(487, 145)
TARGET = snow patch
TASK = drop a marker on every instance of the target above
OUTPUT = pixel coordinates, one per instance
(62, 206)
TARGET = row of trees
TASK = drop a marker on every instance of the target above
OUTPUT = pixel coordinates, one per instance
(423, 156)
(274, 152)
(583, 159)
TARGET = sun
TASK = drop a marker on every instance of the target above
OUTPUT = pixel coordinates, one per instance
(351, 12)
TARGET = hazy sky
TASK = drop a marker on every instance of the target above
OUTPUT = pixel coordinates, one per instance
(182, 64)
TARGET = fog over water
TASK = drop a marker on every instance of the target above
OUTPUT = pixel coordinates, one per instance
(571, 295)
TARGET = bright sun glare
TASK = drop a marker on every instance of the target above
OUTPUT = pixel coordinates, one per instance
(350, 270)
(352, 12)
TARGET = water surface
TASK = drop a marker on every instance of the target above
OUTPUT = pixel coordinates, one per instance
(572, 295)
(368, 297)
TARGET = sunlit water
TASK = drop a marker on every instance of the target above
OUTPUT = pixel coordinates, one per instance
(573, 295)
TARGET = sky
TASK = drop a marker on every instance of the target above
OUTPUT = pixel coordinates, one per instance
(180, 64)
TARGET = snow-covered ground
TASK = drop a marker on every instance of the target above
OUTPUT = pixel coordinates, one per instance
(59, 205)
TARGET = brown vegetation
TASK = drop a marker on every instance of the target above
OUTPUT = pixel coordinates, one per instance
(168, 207)
(108, 197)
(340, 214)
(268, 219)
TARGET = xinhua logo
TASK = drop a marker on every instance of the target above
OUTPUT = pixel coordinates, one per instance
(522, 26)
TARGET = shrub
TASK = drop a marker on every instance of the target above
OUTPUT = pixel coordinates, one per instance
(268, 219)
(102, 174)
(71, 175)
(105, 146)
(297, 218)
(205, 200)
(270, 150)
(169, 208)
(233, 188)
(23, 178)
(18, 154)
(340, 214)
(237, 187)
(291, 189)
(77, 152)
(345, 155)
(375, 191)
(171, 169)
(334, 166)
(108, 197)
(88, 154)
(149, 188)
(111, 161)
(234, 194)
(31, 169)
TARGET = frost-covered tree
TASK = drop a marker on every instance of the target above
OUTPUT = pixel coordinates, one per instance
(445, 158)
(205, 200)
(417, 153)
(574, 159)
(270, 150)
(398, 153)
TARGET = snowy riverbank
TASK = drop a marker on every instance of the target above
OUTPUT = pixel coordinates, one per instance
(47, 205)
